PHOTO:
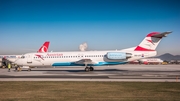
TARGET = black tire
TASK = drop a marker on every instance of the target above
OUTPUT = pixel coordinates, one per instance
(91, 69)
(15, 68)
(29, 69)
(87, 69)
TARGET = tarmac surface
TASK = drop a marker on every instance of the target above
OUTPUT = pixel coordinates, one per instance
(124, 73)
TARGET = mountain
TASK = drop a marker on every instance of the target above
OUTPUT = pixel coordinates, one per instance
(168, 57)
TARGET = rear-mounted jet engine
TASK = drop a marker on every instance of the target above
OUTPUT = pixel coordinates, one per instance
(118, 55)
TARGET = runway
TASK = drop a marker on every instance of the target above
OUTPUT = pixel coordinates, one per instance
(124, 73)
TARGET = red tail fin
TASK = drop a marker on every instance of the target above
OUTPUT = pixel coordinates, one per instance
(44, 48)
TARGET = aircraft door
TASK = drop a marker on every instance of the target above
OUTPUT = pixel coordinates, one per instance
(29, 59)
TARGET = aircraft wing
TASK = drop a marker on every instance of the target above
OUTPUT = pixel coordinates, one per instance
(164, 34)
(85, 61)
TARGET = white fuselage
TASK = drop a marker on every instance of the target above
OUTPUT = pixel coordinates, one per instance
(94, 58)
(97, 58)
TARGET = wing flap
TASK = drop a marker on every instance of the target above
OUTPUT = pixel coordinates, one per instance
(84, 61)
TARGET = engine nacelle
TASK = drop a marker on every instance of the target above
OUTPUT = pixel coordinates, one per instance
(118, 55)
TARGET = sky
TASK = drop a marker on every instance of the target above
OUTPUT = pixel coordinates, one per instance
(103, 24)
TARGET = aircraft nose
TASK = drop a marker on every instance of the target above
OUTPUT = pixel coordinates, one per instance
(9, 59)
(13, 60)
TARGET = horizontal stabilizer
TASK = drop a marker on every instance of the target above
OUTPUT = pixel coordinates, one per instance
(164, 34)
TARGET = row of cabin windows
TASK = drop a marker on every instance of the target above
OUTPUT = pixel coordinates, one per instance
(71, 56)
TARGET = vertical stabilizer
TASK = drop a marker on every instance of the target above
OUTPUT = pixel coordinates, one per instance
(151, 41)
(44, 48)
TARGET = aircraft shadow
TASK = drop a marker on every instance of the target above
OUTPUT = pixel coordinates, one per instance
(104, 70)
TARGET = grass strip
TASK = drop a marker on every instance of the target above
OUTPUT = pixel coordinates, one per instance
(88, 91)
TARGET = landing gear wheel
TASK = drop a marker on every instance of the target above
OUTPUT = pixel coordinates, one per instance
(19, 69)
(16, 68)
(29, 69)
(87, 69)
(91, 68)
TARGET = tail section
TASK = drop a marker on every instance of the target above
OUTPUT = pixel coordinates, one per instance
(151, 41)
(44, 47)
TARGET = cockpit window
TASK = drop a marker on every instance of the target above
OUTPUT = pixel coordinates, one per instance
(22, 57)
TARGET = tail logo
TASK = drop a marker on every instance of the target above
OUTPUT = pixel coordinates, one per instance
(150, 41)
(44, 49)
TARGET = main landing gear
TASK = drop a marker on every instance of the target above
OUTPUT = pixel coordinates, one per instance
(87, 69)
(29, 69)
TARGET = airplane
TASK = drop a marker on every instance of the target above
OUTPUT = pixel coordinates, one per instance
(94, 58)
(42, 49)
(151, 61)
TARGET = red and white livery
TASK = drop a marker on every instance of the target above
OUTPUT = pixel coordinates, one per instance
(95, 58)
